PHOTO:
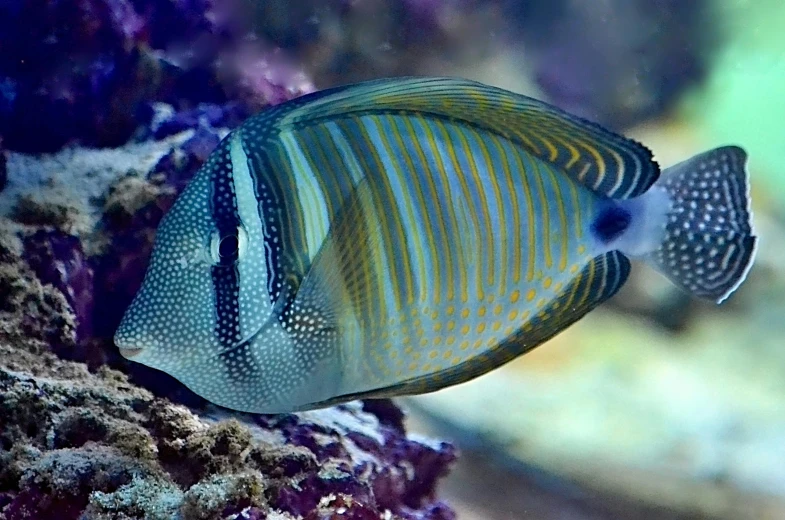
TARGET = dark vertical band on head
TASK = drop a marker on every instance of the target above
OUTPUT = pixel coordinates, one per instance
(226, 279)
(271, 212)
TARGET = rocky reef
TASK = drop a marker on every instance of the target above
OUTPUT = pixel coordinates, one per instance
(91, 445)
(83, 434)
(95, 71)
(107, 108)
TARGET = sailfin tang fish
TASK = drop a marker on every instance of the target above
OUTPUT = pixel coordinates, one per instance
(399, 236)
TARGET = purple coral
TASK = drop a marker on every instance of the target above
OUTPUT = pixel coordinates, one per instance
(58, 259)
(68, 68)
(88, 70)
(228, 115)
(123, 454)
(260, 77)
(400, 475)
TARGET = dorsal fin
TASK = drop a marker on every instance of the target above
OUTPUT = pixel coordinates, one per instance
(596, 283)
(607, 163)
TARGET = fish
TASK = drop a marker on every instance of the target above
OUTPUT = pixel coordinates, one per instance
(399, 236)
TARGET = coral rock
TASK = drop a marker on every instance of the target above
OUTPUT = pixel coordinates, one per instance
(32, 313)
(75, 444)
(59, 260)
(90, 70)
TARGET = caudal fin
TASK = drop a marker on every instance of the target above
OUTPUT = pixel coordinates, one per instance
(709, 245)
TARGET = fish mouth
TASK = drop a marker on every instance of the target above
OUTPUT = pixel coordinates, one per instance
(127, 348)
(130, 352)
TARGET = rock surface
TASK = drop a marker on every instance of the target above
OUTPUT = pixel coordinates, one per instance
(93, 71)
(86, 435)
(76, 444)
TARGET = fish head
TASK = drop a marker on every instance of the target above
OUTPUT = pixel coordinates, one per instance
(171, 315)
(190, 308)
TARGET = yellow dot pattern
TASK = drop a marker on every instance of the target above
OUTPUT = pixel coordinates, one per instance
(429, 339)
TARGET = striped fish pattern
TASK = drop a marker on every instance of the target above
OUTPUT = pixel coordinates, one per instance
(400, 236)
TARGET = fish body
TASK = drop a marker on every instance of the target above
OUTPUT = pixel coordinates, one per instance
(399, 236)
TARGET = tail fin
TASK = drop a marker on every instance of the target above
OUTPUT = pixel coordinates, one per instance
(708, 246)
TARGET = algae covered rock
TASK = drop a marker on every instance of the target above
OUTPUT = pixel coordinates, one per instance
(76, 444)
(86, 435)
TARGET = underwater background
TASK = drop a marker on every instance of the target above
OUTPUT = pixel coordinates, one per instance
(654, 406)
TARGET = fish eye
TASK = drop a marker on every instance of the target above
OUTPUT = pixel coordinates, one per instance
(226, 248)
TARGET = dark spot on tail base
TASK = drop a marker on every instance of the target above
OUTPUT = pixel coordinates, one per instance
(611, 223)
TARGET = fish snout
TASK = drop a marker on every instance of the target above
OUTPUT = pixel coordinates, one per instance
(128, 345)
(130, 352)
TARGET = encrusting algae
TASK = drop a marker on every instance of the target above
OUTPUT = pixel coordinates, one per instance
(74, 444)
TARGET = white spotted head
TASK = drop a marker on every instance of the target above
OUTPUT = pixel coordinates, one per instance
(206, 288)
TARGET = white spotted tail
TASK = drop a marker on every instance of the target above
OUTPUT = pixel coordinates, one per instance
(708, 246)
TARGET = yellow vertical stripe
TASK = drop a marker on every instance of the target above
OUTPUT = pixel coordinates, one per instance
(531, 218)
(483, 209)
(563, 233)
(546, 217)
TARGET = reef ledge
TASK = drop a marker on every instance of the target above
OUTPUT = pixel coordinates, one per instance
(81, 445)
